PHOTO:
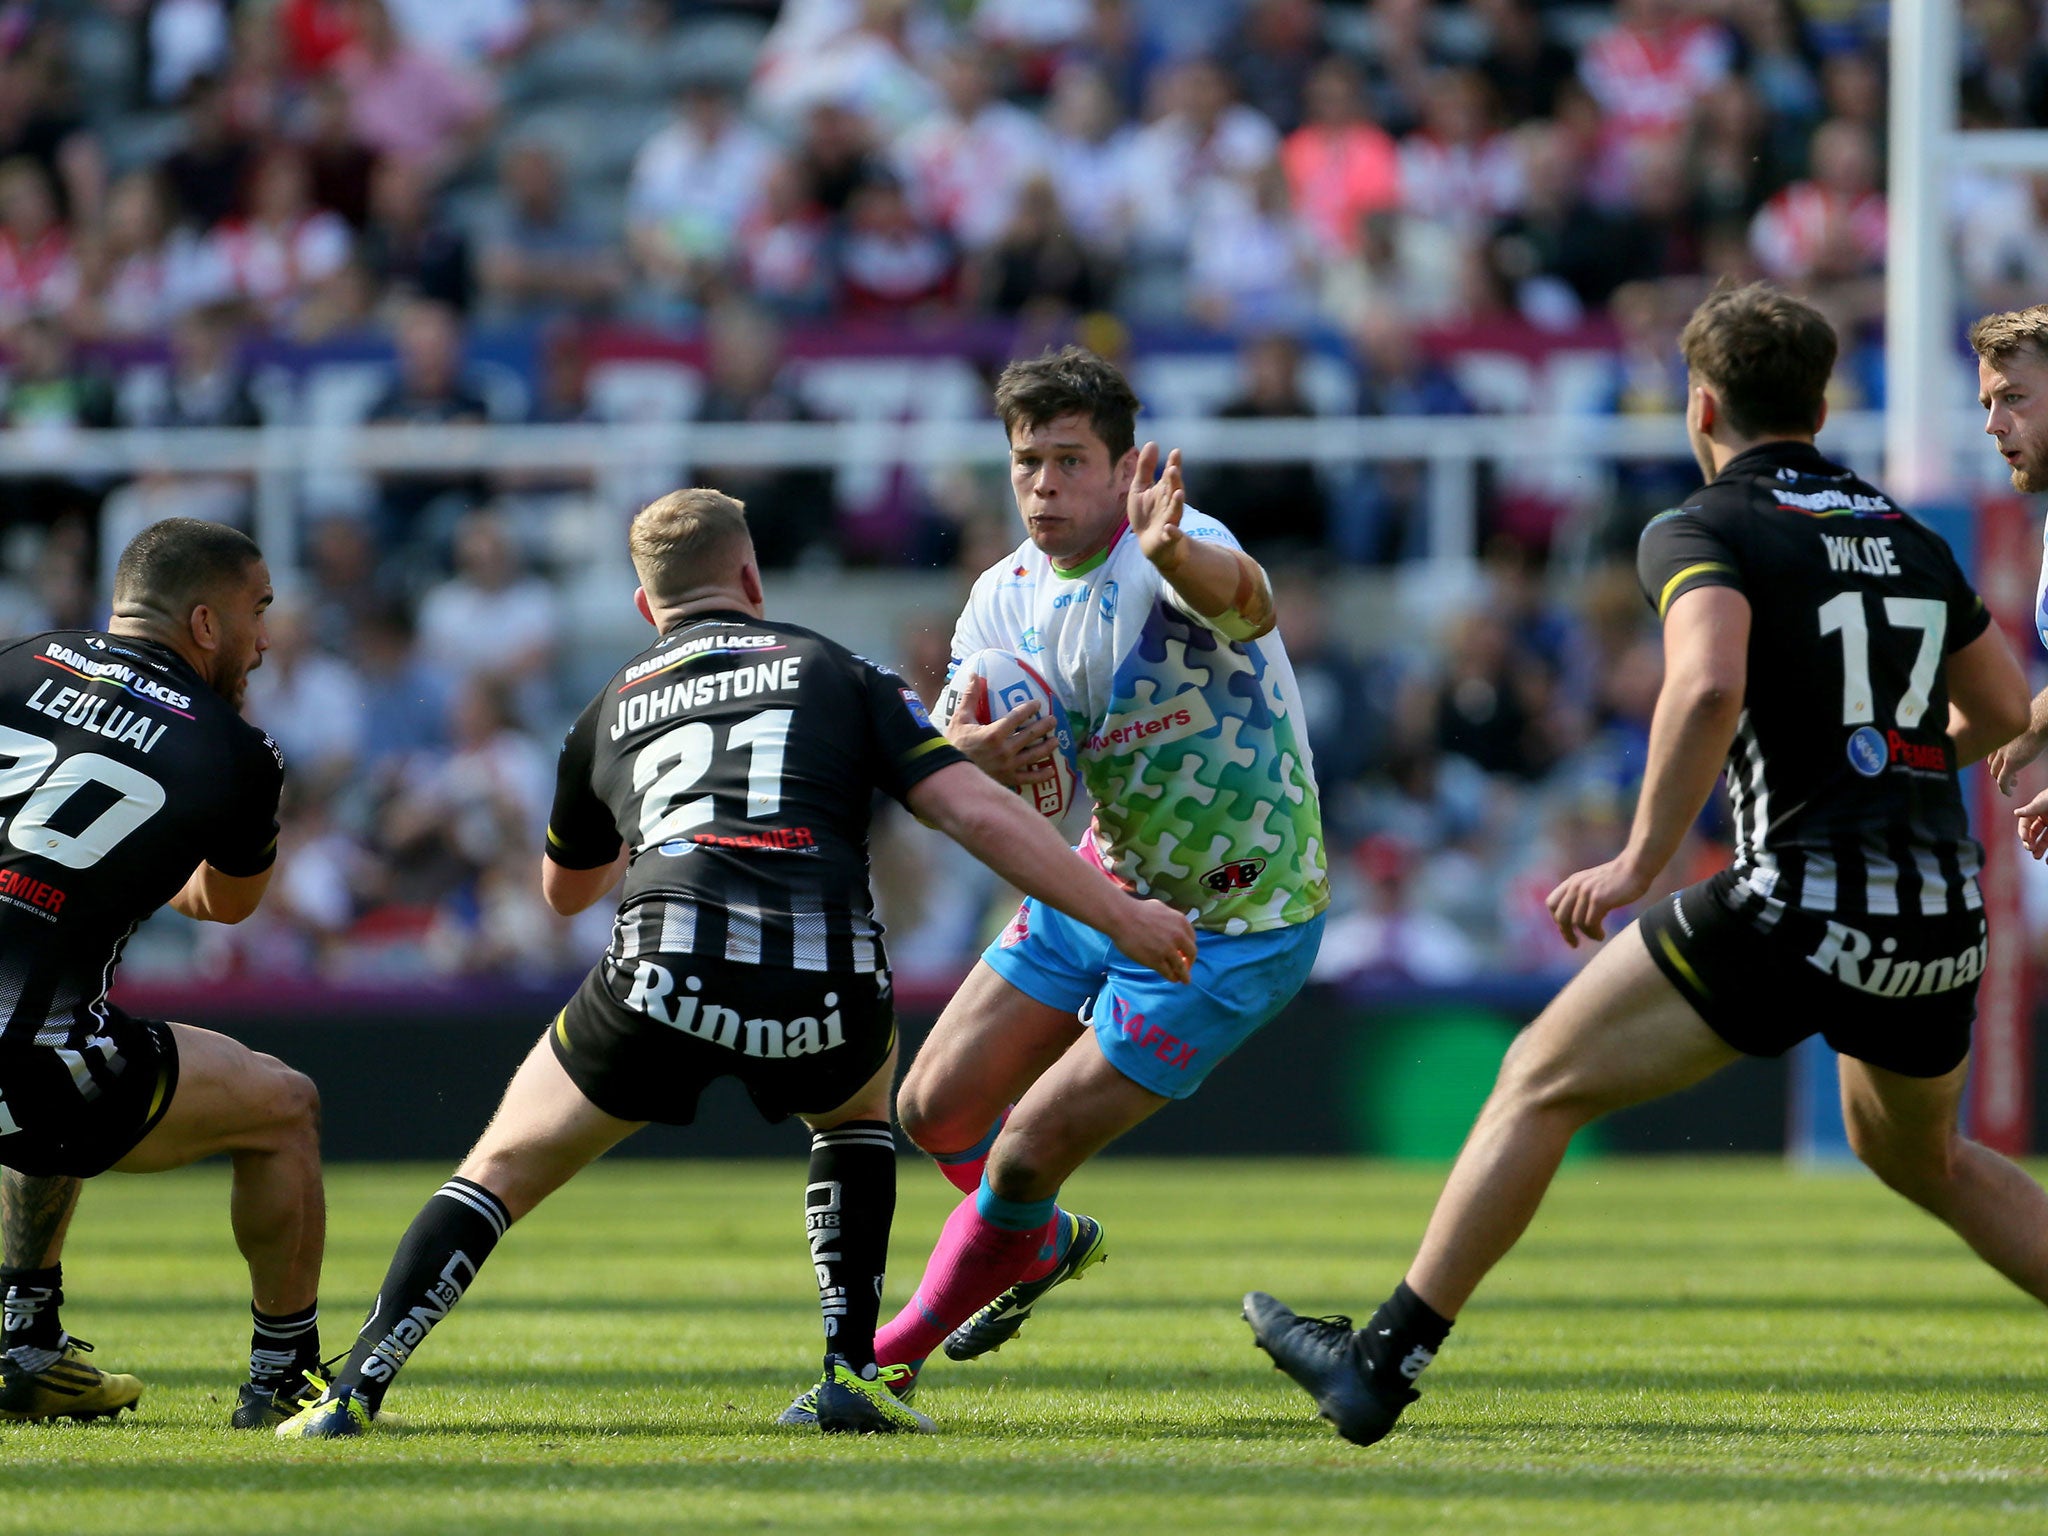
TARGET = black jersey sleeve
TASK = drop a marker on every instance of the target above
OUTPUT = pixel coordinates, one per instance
(581, 832)
(909, 748)
(1679, 552)
(1967, 616)
(244, 842)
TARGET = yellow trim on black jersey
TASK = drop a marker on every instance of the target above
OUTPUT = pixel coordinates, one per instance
(925, 746)
(1671, 586)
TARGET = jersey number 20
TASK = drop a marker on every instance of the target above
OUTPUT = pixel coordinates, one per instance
(29, 828)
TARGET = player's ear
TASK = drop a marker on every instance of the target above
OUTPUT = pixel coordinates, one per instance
(1709, 407)
(1127, 470)
(204, 625)
(1821, 420)
(646, 608)
(750, 584)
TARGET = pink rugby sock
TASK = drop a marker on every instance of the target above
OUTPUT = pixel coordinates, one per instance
(974, 1262)
(963, 1170)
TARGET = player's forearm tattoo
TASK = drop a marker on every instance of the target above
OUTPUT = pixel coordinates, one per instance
(32, 1214)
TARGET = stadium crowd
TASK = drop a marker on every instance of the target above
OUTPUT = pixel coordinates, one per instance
(197, 175)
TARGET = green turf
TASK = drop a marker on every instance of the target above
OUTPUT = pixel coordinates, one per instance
(1709, 1347)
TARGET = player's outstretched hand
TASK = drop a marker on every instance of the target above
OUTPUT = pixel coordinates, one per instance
(2033, 824)
(1153, 934)
(1155, 506)
(1581, 902)
(2005, 764)
(1015, 749)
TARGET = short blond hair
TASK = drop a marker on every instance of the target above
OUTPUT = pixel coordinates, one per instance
(1998, 337)
(688, 539)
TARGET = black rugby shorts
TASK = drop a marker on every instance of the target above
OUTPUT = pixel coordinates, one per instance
(1897, 992)
(641, 1039)
(82, 1111)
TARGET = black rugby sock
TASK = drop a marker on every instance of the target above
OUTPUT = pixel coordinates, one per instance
(283, 1347)
(849, 1204)
(1403, 1337)
(436, 1261)
(29, 1309)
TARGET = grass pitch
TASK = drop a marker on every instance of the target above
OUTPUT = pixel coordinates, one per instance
(1676, 1347)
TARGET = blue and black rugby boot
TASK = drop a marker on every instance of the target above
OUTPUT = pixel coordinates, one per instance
(1327, 1358)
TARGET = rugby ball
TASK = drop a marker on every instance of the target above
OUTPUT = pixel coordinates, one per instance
(1013, 681)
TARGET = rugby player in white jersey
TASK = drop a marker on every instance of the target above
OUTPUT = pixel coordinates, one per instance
(2012, 386)
(1156, 632)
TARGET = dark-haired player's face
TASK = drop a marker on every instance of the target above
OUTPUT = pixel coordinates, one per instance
(243, 633)
(2014, 394)
(1070, 490)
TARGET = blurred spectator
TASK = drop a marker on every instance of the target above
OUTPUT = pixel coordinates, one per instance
(836, 156)
(1090, 146)
(1457, 167)
(1341, 165)
(1203, 138)
(207, 171)
(1347, 705)
(2005, 69)
(207, 386)
(409, 249)
(405, 695)
(186, 39)
(1397, 378)
(1732, 164)
(338, 162)
(40, 119)
(965, 166)
(493, 619)
(1559, 254)
(1041, 264)
(284, 252)
(407, 102)
(1388, 937)
(1405, 266)
(890, 262)
(539, 260)
(262, 92)
(1277, 510)
(1832, 227)
(342, 589)
(1489, 701)
(316, 32)
(1525, 66)
(1402, 61)
(1648, 69)
(2003, 244)
(419, 506)
(143, 273)
(38, 267)
(782, 259)
(310, 702)
(1277, 47)
(879, 69)
(52, 397)
(1118, 48)
(1776, 59)
(790, 510)
(1255, 266)
(693, 186)
(471, 32)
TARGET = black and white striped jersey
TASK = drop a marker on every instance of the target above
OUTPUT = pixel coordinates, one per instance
(120, 772)
(1842, 776)
(737, 759)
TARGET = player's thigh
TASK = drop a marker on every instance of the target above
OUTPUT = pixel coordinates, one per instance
(228, 1099)
(1078, 1106)
(1618, 1034)
(1902, 1126)
(991, 1043)
(544, 1132)
(870, 1103)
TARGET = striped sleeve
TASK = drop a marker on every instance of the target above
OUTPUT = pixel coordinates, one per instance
(1679, 552)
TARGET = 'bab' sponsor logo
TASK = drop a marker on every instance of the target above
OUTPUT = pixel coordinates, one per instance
(1867, 752)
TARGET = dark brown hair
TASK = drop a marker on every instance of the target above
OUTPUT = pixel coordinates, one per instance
(1767, 355)
(1070, 382)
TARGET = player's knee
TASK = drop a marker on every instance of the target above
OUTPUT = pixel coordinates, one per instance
(296, 1100)
(930, 1126)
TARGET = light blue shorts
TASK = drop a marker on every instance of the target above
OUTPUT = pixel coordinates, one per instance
(1163, 1037)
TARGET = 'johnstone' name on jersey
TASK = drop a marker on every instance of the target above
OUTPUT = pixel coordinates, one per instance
(702, 692)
